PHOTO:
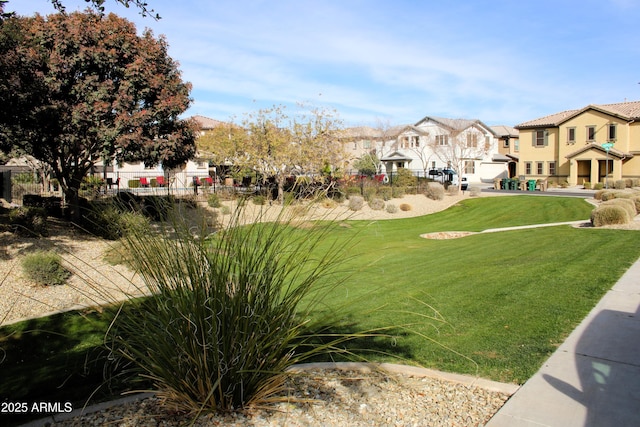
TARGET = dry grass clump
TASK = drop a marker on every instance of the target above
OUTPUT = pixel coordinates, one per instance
(628, 205)
(391, 208)
(405, 207)
(609, 215)
(376, 204)
(474, 191)
(434, 191)
(356, 203)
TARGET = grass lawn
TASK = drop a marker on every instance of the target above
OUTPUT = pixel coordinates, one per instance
(507, 299)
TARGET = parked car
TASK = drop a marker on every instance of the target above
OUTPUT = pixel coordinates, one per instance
(448, 177)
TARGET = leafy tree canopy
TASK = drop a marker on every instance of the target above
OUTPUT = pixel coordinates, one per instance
(142, 6)
(83, 87)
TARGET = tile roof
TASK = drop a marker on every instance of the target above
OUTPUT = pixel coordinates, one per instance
(624, 110)
(206, 122)
(502, 130)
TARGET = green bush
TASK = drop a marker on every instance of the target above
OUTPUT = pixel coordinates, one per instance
(386, 193)
(376, 204)
(356, 203)
(398, 192)
(404, 178)
(598, 186)
(259, 200)
(45, 268)
(228, 314)
(609, 215)
(350, 191)
(369, 193)
(434, 191)
(213, 200)
(29, 222)
(628, 205)
(586, 185)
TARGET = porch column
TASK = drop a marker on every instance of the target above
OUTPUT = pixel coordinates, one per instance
(572, 179)
(595, 168)
(617, 168)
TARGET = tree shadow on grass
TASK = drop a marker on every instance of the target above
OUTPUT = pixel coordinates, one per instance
(55, 359)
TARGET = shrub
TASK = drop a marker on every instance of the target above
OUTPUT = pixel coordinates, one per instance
(598, 186)
(376, 204)
(45, 268)
(213, 200)
(225, 210)
(636, 200)
(405, 207)
(369, 193)
(398, 192)
(259, 200)
(351, 191)
(391, 208)
(228, 314)
(386, 193)
(404, 178)
(475, 191)
(609, 215)
(619, 184)
(586, 185)
(627, 204)
(356, 203)
(434, 191)
(29, 222)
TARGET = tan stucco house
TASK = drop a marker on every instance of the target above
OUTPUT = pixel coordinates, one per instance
(568, 146)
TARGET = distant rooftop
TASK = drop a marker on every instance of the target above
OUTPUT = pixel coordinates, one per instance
(624, 110)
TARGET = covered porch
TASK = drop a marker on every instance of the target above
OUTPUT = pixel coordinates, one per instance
(594, 164)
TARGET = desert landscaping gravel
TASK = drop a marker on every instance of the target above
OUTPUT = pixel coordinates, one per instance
(344, 395)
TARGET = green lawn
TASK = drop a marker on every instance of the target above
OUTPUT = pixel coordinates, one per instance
(507, 299)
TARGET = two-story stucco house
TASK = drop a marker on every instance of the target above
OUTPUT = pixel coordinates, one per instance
(568, 146)
(439, 143)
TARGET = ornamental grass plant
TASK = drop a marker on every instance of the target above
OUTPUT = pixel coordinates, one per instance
(229, 311)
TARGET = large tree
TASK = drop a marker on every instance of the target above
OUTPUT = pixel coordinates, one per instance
(142, 6)
(89, 89)
(277, 145)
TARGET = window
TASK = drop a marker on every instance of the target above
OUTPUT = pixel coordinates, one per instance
(527, 168)
(366, 145)
(506, 142)
(202, 165)
(612, 132)
(516, 145)
(591, 133)
(355, 145)
(552, 168)
(571, 135)
(540, 138)
(472, 139)
(433, 165)
(469, 167)
(442, 139)
(540, 168)
(416, 142)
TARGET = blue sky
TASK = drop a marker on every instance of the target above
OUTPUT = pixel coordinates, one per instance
(397, 61)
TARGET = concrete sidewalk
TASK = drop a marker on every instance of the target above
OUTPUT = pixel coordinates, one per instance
(593, 378)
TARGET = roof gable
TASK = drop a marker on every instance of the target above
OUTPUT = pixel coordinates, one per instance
(598, 147)
(456, 125)
(625, 110)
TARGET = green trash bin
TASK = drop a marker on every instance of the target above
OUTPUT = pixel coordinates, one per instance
(504, 185)
(531, 185)
(513, 184)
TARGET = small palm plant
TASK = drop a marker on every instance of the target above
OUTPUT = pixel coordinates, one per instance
(229, 312)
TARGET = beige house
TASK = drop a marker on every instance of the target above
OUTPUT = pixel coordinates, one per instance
(508, 146)
(597, 143)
